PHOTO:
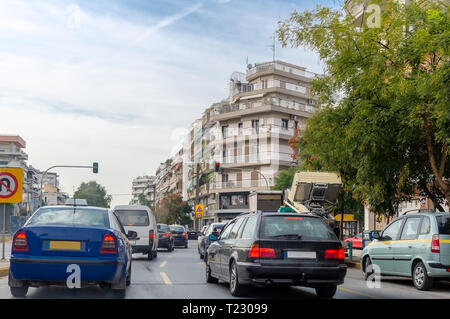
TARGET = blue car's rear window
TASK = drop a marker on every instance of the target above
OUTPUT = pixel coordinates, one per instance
(70, 216)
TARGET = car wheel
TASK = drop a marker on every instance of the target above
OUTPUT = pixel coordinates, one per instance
(210, 279)
(326, 292)
(20, 292)
(155, 253)
(129, 277)
(236, 288)
(186, 246)
(367, 266)
(202, 256)
(119, 293)
(420, 277)
(150, 255)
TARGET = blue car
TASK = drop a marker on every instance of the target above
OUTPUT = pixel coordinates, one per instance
(74, 246)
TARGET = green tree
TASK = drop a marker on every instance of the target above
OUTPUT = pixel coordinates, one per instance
(173, 210)
(284, 179)
(386, 124)
(94, 193)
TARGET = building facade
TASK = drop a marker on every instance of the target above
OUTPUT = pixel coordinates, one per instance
(248, 134)
(143, 185)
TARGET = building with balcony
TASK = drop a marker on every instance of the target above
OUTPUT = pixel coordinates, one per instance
(11, 153)
(248, 134)
(143, 185)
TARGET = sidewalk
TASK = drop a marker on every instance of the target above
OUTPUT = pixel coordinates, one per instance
(4, 265)
(354, 262)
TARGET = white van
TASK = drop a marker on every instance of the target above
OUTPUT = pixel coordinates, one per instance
(141, 220)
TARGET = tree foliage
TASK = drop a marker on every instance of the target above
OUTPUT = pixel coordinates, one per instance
(94, 193)
(173, 210)
(386, 128)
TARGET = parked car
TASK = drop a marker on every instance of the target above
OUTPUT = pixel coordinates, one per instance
(192, 234)
(165, 237)
(179, 235)
(416, 245)
(276, 248)
(206, 241)
(201, 234)
(55, 237)
(356, 241)
(141, 220)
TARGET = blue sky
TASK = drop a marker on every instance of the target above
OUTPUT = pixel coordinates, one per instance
(111, 81)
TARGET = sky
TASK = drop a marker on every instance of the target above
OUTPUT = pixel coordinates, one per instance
(115, 82)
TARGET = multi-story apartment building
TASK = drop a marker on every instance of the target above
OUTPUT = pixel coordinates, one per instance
(248, 134)
(143, 185)
(11, 153)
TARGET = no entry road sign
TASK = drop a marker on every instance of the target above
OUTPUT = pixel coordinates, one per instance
(11, 180)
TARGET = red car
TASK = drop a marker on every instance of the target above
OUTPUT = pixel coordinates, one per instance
(356, 241)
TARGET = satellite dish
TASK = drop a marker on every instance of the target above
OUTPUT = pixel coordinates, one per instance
(249, 66)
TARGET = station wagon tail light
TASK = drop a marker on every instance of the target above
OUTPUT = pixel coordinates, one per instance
(184, 235)
(20, 242)
(435, 245)
(108, 245)
(258, 252)
(335, 253)
(166, 235)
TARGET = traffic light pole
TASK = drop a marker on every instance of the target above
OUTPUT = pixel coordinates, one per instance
(61, 166)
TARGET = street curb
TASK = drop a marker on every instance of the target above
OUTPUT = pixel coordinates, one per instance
(4, 272)
(353, 264)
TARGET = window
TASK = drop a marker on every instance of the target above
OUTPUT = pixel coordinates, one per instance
(225, 131)
(70, 216)
(227, 231)
(410, 229)
(293, 227)
(284, 124)
(392, 230)
(240, 128)
(255, 126)
(236, 227)
(133, 217)
(443, 224)
(249, 228)
(425, 227)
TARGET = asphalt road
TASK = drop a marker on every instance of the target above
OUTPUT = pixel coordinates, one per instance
(180, 275)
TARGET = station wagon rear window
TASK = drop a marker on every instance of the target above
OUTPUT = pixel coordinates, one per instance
(293, 227)
(70, 216)
(443, 224)
(132, 217)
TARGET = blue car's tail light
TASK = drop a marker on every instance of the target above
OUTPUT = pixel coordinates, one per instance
(108, 245)
(20, 242)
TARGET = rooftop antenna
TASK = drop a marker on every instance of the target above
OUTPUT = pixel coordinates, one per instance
(272, 47)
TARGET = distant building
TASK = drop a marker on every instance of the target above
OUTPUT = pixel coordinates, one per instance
(143, 185)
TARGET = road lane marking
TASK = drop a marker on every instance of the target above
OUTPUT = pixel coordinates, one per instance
(163, 264)
(351, 291)
(165, 278)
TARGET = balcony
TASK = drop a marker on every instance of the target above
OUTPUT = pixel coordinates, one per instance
(263, 158)
(243, 185)
(276, 66)
(262, 105)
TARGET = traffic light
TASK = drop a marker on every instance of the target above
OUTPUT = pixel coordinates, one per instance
(217, 167)
(95, 168)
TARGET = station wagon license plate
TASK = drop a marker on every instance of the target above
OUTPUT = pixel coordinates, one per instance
(63, 245)
(300, 254)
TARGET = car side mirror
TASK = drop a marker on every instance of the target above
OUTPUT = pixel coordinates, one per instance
(376, 235)
(132, 234)
(213, 237)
